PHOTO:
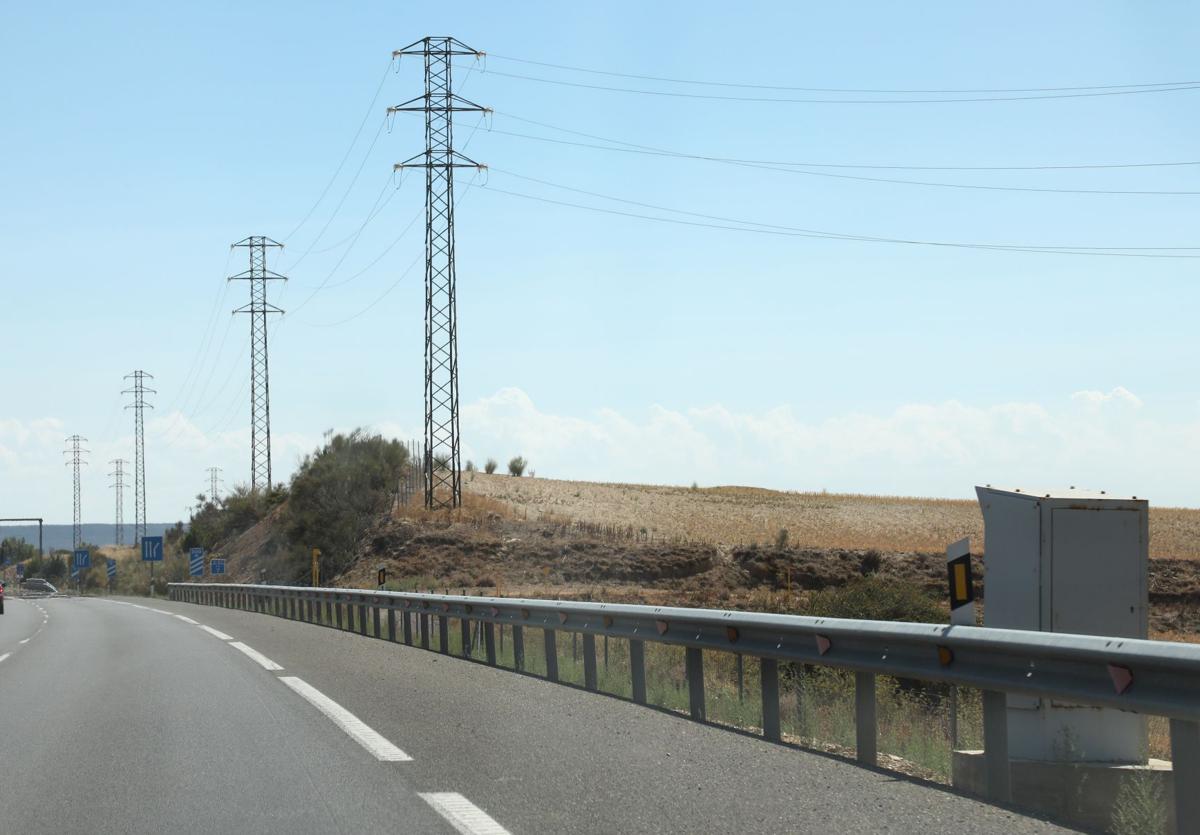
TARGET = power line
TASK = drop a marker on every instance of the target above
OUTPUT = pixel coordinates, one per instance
(663, 151)
(744, 85)
(779, 100)
(735, 225)
(800, 171)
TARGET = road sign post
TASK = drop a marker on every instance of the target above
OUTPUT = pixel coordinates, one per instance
(381, 578)
(152, 552)
(112, 574)
(196, 562)
(316, 567)
(962, 609)
(80, 559)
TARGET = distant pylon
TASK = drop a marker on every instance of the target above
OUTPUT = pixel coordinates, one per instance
(442, 453)
(260, 382)
(118, 475)
(214, 479)
(76, 452)
(139, 404)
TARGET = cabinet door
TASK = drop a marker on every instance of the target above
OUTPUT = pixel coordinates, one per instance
(1098, 572)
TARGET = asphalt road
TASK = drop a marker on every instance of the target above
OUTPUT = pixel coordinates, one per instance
(128, 719)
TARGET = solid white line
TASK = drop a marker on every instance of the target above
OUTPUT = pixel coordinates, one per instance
(5, 655)
(462, 814)
(365, 736)
(161, 611)
(186, 619)
(216, 633)
(258, 657)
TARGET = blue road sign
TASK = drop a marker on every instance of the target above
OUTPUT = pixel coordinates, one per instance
(20, 570)
(216, 566)
(83, 558)
(152, 549)
(74, 572)
(7, 561)
(112, 569)
(196, 562)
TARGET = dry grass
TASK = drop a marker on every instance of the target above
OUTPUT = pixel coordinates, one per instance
(744, 515)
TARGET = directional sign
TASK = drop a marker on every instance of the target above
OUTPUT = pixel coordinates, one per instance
(196, 562)
(20, 570)
(83, 558)
(962, 587)
(152, 549)
(74, 572)
(216, 566)
(112, 569)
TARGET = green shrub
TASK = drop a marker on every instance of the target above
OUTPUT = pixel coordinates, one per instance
(516, 467)
(490, 466)
(876, 598)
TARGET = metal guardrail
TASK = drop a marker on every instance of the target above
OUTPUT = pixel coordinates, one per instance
(1150, 677)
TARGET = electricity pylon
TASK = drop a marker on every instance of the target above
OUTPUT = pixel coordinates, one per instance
(214, 479)
(76, 452)
(139, 405)
(260, 383)
(118, 476)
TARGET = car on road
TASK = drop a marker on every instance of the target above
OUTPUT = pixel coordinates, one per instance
(36, 585)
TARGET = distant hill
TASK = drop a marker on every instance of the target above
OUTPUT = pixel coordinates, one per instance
(62, 536)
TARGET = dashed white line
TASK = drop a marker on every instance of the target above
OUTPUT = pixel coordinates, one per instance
(462, 814)
(161, 611)
(23, 642)
(216, 633)
(186, 619)
(365, 736)
(5, 655)
(256, 656)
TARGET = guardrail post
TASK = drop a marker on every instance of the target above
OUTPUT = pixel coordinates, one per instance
(337, 614)
(362, 617)
(308, 610)
(443, 635)
(465, 628)
(995, 747)
(589, 661)
(637, 670)
(694, 661)
(329, 611)
(865, 732)
(407, 625)
(424, 630)
(489, 642)
(375, 620)
(768, 673)
(551, 644)
(1185, 767)
(518, 647)
(391, 624)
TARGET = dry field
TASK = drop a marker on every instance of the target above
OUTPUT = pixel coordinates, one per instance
(732, 516)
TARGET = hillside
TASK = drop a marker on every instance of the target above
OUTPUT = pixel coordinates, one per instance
(61, 537)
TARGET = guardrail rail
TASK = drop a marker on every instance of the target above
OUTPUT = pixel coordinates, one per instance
(1163, 677)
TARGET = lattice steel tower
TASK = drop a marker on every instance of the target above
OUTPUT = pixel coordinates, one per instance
(214, 479)
(442, 458)
(76, 452)
(260, 386)
(139, 405)
(118, 476)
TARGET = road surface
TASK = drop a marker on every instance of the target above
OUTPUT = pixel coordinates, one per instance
(125, 716)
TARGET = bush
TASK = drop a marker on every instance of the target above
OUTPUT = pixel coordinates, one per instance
(874, 598)
(470, 467)
(490, 466)
(516, 467)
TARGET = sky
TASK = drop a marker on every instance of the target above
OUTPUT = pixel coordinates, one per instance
(612, 325)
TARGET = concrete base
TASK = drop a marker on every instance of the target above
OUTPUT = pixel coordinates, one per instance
(1078, 793)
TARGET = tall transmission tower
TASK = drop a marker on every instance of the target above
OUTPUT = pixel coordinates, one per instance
(442, 459)
(214, 479)
(139, 405)
(118, 476)
(76, 452)
(260, 386)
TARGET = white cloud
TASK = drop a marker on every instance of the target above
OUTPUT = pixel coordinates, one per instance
(1118, 396)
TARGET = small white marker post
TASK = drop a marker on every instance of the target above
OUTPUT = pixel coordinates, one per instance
(962, 609)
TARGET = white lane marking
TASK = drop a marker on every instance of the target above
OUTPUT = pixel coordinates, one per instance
(462, 814)
(137, 606)
(216, 633)
(186, 619)
(23, 642)
(161, 611)
(258, 657)
(5, 655)
(364, 735)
